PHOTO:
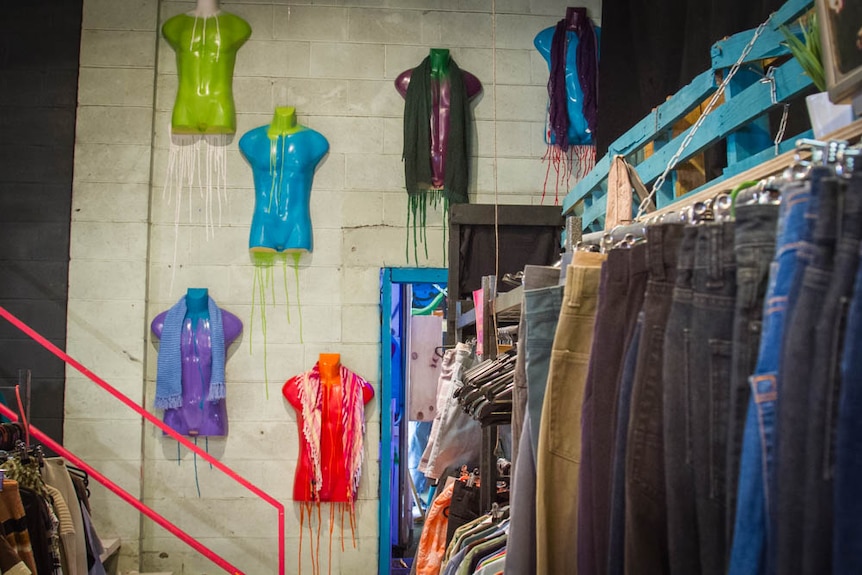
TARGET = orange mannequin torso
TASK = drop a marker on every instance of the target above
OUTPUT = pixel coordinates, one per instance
(336, 483)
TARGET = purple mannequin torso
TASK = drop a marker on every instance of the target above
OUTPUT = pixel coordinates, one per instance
(197, 416)
(440, 105)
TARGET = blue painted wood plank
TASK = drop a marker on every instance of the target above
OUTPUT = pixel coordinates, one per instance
(726, 52)
(587, 184)
(665, 115)
(767, 154)
(662, 118)
(754, 137)
(728, 117)
(420, 275)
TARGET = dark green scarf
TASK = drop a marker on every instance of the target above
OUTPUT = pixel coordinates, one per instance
(417, 146)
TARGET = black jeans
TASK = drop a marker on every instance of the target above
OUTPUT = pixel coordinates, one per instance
(646, 548)
(709, 361)
(811, 282)
(621, 294)
(755, 237)
(824, 384)
(679, 472)
(616, 544)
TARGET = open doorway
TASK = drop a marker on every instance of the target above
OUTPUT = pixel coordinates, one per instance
(412, 332)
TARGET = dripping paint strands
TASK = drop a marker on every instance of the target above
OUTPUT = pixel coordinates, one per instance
(196, 174)
(264, 281)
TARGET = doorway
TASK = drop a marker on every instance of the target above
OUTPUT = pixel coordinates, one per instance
(405, 294)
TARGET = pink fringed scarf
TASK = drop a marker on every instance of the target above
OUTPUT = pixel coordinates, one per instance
(353, 421)
(353, 424)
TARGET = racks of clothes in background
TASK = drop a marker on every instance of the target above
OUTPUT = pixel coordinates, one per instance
(45, 521)
(697, 381)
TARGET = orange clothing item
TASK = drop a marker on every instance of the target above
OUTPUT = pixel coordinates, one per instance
(432, 543)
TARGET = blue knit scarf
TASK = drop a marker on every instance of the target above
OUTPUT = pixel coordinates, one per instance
(169, 387)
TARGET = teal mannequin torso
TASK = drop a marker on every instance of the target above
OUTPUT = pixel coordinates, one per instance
(283, 157)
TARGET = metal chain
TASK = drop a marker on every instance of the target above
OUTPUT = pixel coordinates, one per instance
(712, 102)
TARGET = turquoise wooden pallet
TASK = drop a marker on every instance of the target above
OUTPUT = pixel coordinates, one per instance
(741, 119)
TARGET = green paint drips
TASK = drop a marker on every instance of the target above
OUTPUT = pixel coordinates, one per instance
(264, 280)
(417, 211)
(296, 256)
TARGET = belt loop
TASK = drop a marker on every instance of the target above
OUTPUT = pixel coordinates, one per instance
(714, 254)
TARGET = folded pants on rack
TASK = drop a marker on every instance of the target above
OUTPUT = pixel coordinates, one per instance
(616, 540)
(535, 277)
(683, 542)
(621, 293)
(559, 455)
(815, 263)
(752, 527)
(754, 239)
(646, 515)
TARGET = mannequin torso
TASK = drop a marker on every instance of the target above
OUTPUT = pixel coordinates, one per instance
(336, 481)
(197, 416)
(283, 157)
(206, 42)
(440, 106)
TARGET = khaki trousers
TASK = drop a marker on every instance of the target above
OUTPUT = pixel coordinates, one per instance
(559, 455)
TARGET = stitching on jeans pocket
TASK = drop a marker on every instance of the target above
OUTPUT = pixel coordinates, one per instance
(833, 390)
(719, 393)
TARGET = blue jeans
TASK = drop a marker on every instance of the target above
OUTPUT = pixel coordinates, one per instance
(752, 527)
(847, 523)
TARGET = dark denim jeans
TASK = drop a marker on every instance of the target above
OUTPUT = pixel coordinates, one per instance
(795, 373)
(616, 545)
(824, 384)
(755, 235)
(621, 295)
(847, 542)
(709, 361)
(683, 542)
(752, 527)
(646, 549)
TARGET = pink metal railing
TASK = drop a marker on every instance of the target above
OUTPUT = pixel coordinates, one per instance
(188, 539)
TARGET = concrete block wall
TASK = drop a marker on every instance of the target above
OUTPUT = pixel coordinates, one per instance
(335, 61)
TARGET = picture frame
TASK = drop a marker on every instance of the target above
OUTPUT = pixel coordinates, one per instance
(840, 25)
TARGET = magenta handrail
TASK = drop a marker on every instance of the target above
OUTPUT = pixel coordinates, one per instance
(168, 430)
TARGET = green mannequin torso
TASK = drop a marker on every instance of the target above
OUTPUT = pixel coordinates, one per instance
(206, 53)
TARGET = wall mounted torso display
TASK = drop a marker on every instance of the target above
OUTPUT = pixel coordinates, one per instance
(283, 157)
(206, 43)
(436, 153)
(190, 383)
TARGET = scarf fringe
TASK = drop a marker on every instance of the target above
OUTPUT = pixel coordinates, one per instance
(417, 212)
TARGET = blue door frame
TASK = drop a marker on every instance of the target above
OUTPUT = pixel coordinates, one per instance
(388, 278)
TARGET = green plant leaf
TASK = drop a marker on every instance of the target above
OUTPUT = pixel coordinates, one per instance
(807, 50)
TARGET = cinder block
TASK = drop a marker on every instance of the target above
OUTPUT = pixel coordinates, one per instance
(105, 440)
(349, 61)
(120, 15)
(522, 175)
(117, 49)
(314, 23)
(514, 67)
(517, 31)
(253, 95)
(526, 103)
(106, 279)
(515, 139)
(114, 125)
(374, 172)
(461, 29)
(387, 26)
(115, 163)
(115, 86)
(272, 59)
(393, 134)
(350, 135)
(258, 15)
(360, 285)
(360, 209)
(311, 96)
(99, 202)
(360, 324)
(374, 98)
(401, 58)
(101, 241)
(83, 398)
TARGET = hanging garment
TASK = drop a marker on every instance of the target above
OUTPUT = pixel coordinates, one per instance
(623, 181)
(55, 474)
(432, 542)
